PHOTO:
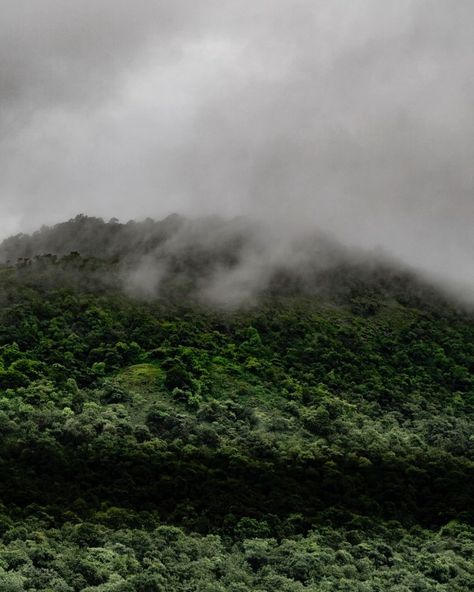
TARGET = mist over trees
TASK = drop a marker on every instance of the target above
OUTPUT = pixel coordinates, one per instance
(212, 260)
(91, 237)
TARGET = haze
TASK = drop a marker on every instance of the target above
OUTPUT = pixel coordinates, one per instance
(354, 117)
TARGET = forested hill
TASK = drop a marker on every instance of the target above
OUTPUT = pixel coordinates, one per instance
(317, 435)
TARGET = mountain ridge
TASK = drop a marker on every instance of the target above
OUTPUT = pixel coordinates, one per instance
(223, 262)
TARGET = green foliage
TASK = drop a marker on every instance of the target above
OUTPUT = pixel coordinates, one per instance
(312, 446)
(90, 558)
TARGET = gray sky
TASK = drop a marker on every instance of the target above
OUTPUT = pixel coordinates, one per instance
(354, 116)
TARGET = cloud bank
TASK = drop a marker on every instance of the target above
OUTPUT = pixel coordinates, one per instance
(353, 117)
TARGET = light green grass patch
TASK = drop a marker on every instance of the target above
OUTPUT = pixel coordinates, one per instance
(141, 378)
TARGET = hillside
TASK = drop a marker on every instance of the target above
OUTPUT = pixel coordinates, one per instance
(208, 426)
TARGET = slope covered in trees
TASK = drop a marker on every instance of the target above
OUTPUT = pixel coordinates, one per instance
(318, 437)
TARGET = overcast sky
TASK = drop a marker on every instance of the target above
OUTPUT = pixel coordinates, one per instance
(355, 116)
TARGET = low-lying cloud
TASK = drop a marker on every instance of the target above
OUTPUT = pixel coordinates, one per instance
(351, 117)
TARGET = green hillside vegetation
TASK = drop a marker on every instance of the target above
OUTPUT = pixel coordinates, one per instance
(315, 441)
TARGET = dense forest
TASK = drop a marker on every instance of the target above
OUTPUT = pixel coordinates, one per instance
(315, 435)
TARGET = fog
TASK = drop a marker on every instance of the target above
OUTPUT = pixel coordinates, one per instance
(352, 117)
